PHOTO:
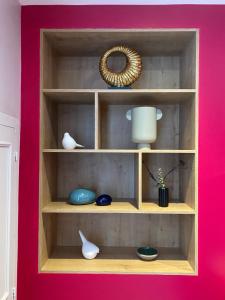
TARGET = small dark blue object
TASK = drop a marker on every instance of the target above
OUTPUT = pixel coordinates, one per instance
(119, 87)
(104, 200)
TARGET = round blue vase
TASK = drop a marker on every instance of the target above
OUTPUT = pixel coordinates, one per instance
(82, 196)
(103, 200)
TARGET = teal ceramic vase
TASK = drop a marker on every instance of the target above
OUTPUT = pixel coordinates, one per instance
(82, 196)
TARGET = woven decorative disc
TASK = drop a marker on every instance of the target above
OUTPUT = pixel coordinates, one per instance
(128, 75)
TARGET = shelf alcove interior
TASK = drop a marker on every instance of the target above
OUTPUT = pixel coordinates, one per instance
(65, 172)
(75, 99)
(176, 129)
(68, 112)
(71, 58)
(180, 182)
(118, 237)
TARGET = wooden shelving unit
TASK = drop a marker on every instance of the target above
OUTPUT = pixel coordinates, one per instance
(74, 98)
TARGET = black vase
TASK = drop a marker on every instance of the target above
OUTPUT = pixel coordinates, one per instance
(163, 196)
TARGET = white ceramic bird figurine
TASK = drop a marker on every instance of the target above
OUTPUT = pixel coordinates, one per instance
(69, 143)
(89, 250)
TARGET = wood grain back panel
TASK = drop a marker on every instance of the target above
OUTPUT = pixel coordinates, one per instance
(79, 121)
(121, 230)
(83, 72)
(111, 174)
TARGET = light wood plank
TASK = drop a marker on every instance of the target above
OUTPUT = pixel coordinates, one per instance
(188, 64)
(117, 260)
(187, 124)
(54, 92)
(138, 180)
(48, 179)
(97, 123)
(146, 97)
(118, 151)
(91, 151)
(48, 66)
(167, 151)
(113, 266)
(79, 96)
(47, 234)
(118, 206)
(188, 185)
(187, 233)
(173, 208)
(120, 96)
(48, 124)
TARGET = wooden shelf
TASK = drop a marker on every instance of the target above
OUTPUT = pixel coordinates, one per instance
(120, 96)
(117, 260)
(91, 151)
(83, 96)
(118, 151)
(146, 97)
(118, 207)
(173, 208)
(111, 90)
(115, 207)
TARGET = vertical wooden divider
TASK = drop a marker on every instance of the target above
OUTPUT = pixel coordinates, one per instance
(139, 181)
(97, 122)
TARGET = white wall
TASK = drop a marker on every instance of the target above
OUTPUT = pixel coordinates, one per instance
(10, 62)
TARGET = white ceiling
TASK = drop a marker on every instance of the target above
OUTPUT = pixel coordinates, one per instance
(121, 2)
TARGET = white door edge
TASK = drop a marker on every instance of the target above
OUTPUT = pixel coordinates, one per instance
(9, 138)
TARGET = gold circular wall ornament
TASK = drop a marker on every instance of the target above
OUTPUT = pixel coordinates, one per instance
(128, 75)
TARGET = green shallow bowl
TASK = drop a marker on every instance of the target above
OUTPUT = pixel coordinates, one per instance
(147, 253)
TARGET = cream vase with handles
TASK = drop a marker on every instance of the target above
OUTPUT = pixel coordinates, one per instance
(144, 125)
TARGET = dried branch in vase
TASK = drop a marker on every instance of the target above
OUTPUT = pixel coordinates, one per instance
(161, 176)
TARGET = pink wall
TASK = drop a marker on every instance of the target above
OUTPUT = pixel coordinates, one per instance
(10, 58)
(210, 284)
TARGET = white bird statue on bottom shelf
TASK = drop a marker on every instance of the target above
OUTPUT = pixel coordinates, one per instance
(89, 250)
(69, 143)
